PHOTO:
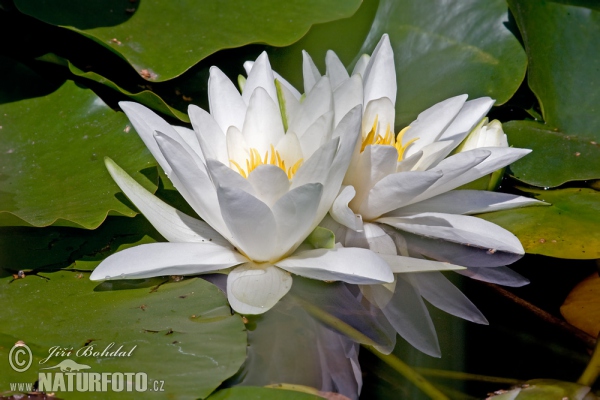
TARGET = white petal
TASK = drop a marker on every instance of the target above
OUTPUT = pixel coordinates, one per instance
(193, 183)
(158, 259)
(342, 213)
(254, 289)
(350, 265)
(499, 275)
(470, 114)
(263, 126)
(459, 229)
(237, 149)
(260, 76)
(222, 175)
(250, 221)
(361, 65)
(408, 314)
(401, 264)
(468, 202)
(189, 137)
(317, 167)
(209, 134)
(396, 190)
(335, 70)
(289, 149)
(374, 163)
(295, 216)
(171, 223)
(433, 153)
(316, 135)
(288, 104)
(379, 241)
(309, 71)
(318, 102)
(431, 123)
(440, 292)
(380, 74)
(146, 122)
(248, 67)
(347, 96)
(408, 163)
(381, 109)
(226, 104)
(269, 183)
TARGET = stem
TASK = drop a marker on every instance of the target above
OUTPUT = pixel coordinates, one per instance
(588, 340)
(440, 373)
(592, 370)
(390, 359)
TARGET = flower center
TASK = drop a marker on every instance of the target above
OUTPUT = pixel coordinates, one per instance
(387, 140)
(271, 157)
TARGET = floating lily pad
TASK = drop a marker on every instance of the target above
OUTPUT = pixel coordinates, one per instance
(568, 228)
(562, 42)
(52, 152)
(582, 307)
(184, 32)
(257, 393)
(181, 333)
(445, 49)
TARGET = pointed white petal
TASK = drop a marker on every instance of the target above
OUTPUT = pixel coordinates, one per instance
(269, 183)
(209, 134)
(226, 104)
(335, 70)
(433, 153)
(499, 275)
(351, 265)
(222, 175)
(189, 137)
(248, 67)
(361, 65)
(347, 96)
(408, 163)
(463, 229)
(250, 222)
(295, 216)
(380, 74)
(342, 213)
(467, 202)
(431, 123)
(146, 122)
(237, 149)
(440, 292)
(289, 149)
(379, 241)
(408, 314)
(316, 135)
(396, 190)
(318, 102)
(381, 110)
(470, 114)
(193, 183)
(263, 126)
(401, 264)
(260, 76)
(158, 259)
(309, 71)
(254, 289)
(316, 168)
(171, 223)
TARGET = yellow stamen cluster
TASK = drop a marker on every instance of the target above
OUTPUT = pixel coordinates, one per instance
(271, 158)
(373, 138)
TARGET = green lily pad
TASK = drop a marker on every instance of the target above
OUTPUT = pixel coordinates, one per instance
(258, 393)
(52, 150)
(568, 228)
(446, 49)
(182, 333)
(557, 157)
(184, 32)
(562, 42)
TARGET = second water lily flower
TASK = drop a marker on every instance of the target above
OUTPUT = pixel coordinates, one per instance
(245, 171)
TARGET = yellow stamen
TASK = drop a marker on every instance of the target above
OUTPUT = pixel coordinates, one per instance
(271, 157)
(402, 147)
(374, 138)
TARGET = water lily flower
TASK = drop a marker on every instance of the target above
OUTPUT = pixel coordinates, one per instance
(248, 171)
(399, 197)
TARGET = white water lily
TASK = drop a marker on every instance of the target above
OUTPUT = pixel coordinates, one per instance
(398, 195)
(259, 190)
